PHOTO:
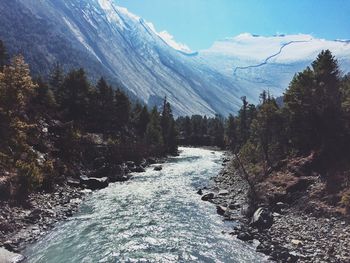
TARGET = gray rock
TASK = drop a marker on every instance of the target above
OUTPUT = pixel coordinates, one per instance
(94, 183)
(138, 169)
(73, 182)
(262, 218)
(245, 236)
(221, 210)
(208, 197)
(158, 168)
(9, 257)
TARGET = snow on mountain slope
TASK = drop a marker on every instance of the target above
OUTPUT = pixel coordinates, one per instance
(108, 40)
(148, 63)
(257, 62)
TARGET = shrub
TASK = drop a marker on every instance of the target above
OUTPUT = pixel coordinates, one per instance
(29, 177)
(345, 201)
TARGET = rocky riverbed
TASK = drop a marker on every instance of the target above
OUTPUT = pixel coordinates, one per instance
(20, 225)
(292, 236)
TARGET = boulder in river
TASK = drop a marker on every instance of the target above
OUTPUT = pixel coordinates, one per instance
(9, 257)
(262, 218)
(158, 168)
(208, 197)
(245, 236)
(221, 210)
(94, 183)
(73, 182)
(137, 169)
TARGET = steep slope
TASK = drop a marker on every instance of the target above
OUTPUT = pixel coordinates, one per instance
(108, 40)
(257, 62)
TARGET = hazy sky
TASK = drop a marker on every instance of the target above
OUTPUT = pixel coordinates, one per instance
(198, 23)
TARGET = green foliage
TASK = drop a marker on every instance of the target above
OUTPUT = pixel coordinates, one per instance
(201, 131)
(153, 134)
(3, 55)
(267, 129)
(55, 128)
(345, 201)
(168, 126)
(74, 96)
(56, 78)
(313, 106)
(122, 109)
(44, 96)
(29, 176)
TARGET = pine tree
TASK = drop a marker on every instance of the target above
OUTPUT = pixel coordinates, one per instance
(142, 121)
(16, 92)
(44, 96)
(56, 78)
(122, 110)
(266, 128)
(3, 55)
(313, 106)
(104, 106)
(153, 136)
(74, 96)
(243, 122)
(168, 128)
(231, 133)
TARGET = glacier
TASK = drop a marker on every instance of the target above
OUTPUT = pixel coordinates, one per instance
(110, 41)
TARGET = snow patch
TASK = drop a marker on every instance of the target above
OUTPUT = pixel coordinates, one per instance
(170, 40)
(80, 37)
(111, 14)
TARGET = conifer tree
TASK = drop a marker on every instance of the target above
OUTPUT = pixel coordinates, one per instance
(142, 121)
(74, 96)
(104, 106)
(122, 109)
(153, 136)
(231, 133)
(313, 106)
(168, 128)
(56, 77)
(3, 55)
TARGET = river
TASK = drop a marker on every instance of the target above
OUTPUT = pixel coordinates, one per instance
(154, 217)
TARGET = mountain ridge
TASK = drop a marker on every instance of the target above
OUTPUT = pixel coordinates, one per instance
(110, 41)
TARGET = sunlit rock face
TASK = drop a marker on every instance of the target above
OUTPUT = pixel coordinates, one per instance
(108, 40)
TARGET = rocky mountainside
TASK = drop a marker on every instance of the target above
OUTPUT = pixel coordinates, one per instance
(108, 40)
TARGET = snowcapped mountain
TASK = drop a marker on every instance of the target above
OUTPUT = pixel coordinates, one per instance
(108, 40)
(257, 62)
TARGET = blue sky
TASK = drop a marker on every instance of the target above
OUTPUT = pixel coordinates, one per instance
(198, 23)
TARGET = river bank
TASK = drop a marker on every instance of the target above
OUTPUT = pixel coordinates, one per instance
(155, 217)
(23, 224)
(294, 236)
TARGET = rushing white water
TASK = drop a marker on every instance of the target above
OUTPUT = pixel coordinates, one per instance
(155, 217)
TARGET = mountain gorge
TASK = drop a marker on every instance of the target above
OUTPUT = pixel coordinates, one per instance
(108, 40)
